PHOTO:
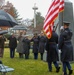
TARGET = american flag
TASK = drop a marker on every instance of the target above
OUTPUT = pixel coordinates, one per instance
(55, 8)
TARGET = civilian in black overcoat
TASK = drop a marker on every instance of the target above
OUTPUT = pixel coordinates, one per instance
(42, 42)
(12, 45)
(35, 41)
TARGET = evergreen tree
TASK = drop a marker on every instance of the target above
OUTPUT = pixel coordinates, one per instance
(17, 16)
(39, 19)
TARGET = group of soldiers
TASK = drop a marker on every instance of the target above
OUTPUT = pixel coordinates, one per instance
(60, 44)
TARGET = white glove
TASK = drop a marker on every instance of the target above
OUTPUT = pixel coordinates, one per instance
(59, 51)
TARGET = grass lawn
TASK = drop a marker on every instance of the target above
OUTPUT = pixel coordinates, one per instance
(28, 67)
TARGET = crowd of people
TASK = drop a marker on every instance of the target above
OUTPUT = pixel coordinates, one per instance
(24, 45)
(53, 46)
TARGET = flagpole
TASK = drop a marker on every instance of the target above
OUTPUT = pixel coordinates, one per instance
(56, 26)
(62, 17)
(63, 14)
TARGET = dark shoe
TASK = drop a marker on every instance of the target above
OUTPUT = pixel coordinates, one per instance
(65, 74)
(70, 72)
(50, 70)
(57, 69)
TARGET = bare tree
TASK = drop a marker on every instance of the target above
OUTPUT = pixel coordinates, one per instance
(27, 22)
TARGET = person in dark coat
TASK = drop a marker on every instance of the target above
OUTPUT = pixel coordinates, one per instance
(26, 46)
(66, 48)
(35, 41)
(2, 40)
(12, 45)
(42, 41)
(52, 52)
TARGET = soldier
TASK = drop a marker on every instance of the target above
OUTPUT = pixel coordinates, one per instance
(52, 52)
(66, 48)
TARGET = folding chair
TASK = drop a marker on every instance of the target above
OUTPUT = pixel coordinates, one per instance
(5, 69)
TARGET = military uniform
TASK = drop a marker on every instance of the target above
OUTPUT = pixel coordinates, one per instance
(66, 49)
(52, 51)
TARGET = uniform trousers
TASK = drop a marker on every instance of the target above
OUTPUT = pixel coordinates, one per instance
(65, 66)
(50, 65)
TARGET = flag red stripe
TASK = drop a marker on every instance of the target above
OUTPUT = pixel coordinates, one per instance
(56, 7)
(51, 15)
(52, 10)
(49, 22)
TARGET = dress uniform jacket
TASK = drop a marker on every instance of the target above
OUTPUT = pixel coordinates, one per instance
(51, 47)
(65, 45)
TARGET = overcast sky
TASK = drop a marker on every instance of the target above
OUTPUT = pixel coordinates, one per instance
(24, 7)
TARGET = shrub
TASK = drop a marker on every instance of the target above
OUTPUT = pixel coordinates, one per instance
(7, 35)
